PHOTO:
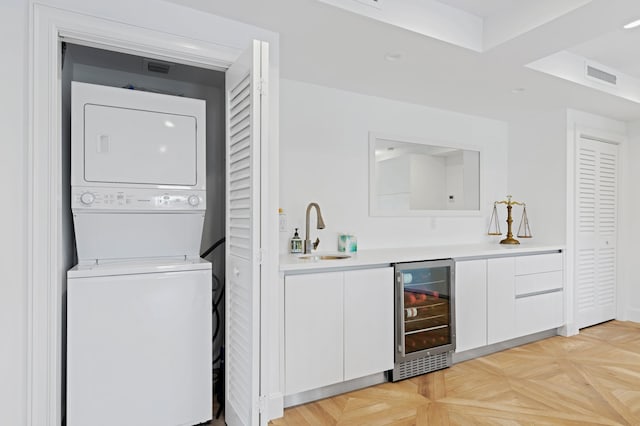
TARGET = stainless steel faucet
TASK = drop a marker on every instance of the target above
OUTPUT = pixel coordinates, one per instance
(319, 225)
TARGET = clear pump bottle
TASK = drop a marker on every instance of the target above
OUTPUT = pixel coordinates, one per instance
(295, 244)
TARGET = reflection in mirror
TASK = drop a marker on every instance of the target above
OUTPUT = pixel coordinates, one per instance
(410, 178)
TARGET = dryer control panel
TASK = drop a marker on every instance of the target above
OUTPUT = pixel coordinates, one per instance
(103, 198)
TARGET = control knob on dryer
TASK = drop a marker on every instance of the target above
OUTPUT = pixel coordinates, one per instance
(193, 200)
(87, 198)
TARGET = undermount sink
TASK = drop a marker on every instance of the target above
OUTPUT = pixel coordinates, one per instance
(324, 256)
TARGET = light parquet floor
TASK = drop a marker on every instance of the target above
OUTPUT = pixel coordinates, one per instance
(589, 379)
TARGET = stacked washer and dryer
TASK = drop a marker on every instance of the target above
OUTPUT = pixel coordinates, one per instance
(139, 348)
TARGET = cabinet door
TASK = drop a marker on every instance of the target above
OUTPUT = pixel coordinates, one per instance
(313, 331)
(501, 314)
(368, 322)
(540, 312)
(471, 304)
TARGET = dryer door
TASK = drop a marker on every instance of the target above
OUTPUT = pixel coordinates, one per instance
(132, 146)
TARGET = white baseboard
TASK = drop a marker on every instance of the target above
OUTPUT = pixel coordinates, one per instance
(275, 408)
(633, 315)
(568, 330)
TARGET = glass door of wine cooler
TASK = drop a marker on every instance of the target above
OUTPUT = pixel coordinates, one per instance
(424, 308)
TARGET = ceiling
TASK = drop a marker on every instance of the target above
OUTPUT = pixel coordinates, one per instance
(618, 49)
(483, 8)
(335, 47)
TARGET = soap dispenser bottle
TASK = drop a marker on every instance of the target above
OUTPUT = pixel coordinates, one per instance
(295, 245)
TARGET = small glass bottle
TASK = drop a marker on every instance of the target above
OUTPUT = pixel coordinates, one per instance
(295, 245)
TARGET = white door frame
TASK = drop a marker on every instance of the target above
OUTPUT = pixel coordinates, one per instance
(48, 26)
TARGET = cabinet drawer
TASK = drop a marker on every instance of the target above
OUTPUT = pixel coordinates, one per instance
(535, 283)
(539, 313)
(538, 263)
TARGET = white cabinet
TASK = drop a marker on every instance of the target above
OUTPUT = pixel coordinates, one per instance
(368, 322)
(338, 326)
(501, 306)
(539, 295)
(313, 331)
(471, 304)
(499, 299)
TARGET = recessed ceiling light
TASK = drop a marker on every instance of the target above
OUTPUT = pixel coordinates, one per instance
(633, 24)
(393, 56)
(518, 90)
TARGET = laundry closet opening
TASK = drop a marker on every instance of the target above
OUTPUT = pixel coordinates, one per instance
(108, 68)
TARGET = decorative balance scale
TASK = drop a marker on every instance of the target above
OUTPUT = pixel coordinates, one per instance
(524, 231)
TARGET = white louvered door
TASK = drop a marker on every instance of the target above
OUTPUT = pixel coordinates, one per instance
(596, 231)
(246, 132)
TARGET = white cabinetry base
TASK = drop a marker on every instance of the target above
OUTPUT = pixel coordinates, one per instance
(335, 389)
(497, 347)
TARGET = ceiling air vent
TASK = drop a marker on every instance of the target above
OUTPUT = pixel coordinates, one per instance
(601, 75)
(157, 66)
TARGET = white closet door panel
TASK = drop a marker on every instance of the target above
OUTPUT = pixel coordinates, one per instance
(596, 231)
(586, 190)
(585, 279)
(607, 193)
(246, 109)
(606, 289)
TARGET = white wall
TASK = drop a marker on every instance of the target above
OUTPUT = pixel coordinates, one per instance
(628, 272)
(324, 142)
(537, 173)
(13, 289)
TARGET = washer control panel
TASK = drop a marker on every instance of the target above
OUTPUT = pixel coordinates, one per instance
(87, 198)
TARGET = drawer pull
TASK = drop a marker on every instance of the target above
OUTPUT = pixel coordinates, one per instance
(537, 293)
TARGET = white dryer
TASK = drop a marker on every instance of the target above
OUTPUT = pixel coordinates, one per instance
(139, 300)
(138, 177)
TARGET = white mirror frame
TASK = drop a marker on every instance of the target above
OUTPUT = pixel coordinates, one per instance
(375, 211)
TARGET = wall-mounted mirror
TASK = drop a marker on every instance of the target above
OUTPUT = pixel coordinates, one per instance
(413, 177)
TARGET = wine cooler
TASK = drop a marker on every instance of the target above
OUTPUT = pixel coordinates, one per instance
(424, 324)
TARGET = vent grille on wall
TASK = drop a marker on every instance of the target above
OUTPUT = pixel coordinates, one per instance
(157, 66)
(601, 75)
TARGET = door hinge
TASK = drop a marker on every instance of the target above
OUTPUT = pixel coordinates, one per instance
(260, 256)
(262, 404)
(262, 87)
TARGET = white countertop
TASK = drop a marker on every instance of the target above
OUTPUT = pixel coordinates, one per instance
(290, 262)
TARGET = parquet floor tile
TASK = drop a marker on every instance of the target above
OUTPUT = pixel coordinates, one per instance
(589, 379)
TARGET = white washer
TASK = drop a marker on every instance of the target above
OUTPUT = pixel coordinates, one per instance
(139, 343)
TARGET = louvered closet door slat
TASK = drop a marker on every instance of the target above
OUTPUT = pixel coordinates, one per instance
(240, 173)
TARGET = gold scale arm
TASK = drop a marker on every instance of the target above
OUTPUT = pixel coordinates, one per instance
(494, 228)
